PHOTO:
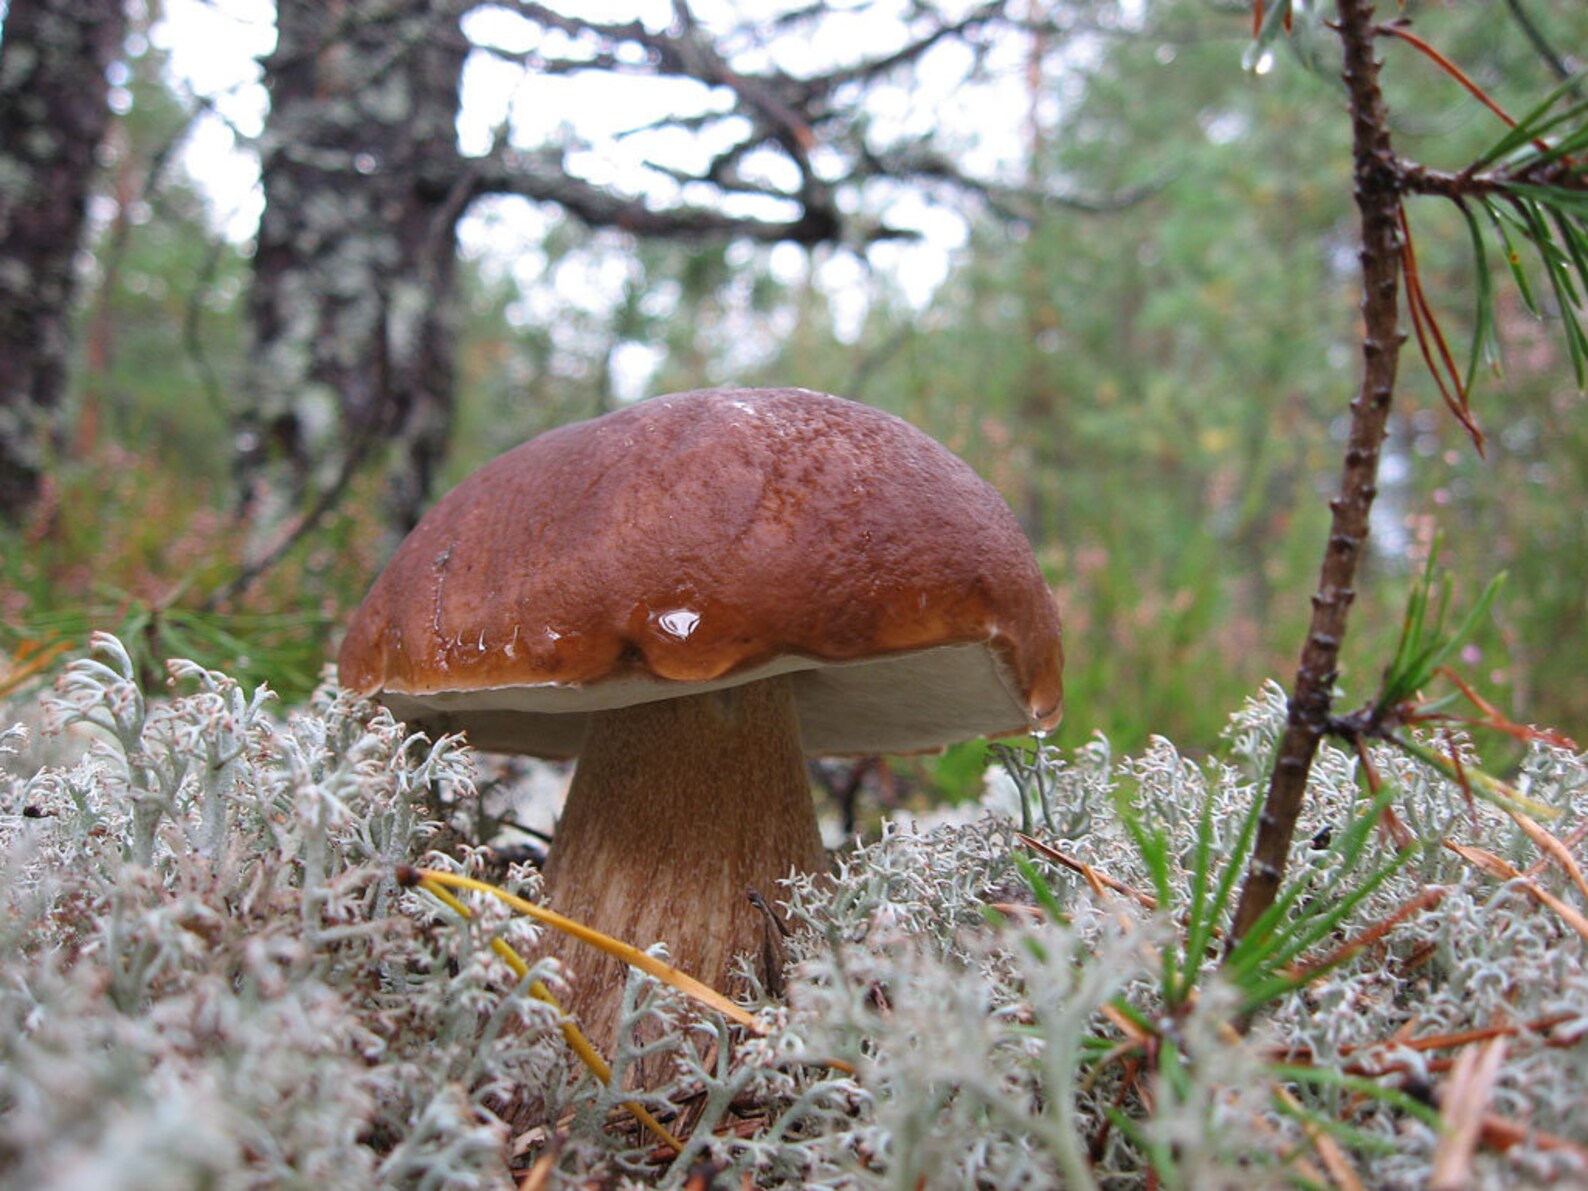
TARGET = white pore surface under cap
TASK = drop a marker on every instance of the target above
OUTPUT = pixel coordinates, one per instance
(898, 703)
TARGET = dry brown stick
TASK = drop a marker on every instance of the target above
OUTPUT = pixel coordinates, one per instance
(1378, 198)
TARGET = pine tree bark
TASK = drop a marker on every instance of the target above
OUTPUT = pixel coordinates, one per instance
(354, 301)
(53, 115)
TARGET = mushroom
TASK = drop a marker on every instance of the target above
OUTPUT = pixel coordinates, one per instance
(690, 595)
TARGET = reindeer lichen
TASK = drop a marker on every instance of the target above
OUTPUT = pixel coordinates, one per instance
(213, 978)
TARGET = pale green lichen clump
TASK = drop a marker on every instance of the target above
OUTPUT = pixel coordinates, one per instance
(212, 979)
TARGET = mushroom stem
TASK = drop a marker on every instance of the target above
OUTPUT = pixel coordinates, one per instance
(677, 810)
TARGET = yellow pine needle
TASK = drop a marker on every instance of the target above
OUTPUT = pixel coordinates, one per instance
(1475, 781)
(619, 950)
(31, 658)
(577, 1042)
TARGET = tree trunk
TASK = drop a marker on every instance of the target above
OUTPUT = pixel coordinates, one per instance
(53, 114)
(354, 297)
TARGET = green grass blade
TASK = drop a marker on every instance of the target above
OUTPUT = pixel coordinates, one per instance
(1200, 936)
(1282, 936)
(1558, 268)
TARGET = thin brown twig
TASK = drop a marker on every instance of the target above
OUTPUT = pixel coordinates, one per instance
(1378, 197)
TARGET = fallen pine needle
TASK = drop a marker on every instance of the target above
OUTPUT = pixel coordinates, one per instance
(572, 1034)
(1425, 900)
(1552, 847)
(536, 1179)
(1500, 1134)
(1097, 880)
(1326, 1147)
(616, 948)
(1464, 1106)
(1503, 870)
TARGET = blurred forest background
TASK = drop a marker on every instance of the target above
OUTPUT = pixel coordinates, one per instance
(1077, 242)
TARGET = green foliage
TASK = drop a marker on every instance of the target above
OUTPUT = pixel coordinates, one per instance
(136, 526)
(1152, 388)
(1310, 911)
(1148, 387)
(1425, 645)
(1355, 901)
(162, 338)
(1538, 204)
(128, 543)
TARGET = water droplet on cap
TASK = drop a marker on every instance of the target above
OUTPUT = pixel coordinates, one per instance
(679, 623)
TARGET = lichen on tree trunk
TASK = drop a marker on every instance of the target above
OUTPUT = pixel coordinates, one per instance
(53, 115)
(354, 300)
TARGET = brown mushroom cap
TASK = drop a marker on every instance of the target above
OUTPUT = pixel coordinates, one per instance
(704, 540)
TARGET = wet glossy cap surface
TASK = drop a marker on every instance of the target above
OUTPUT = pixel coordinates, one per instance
(705, 539)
